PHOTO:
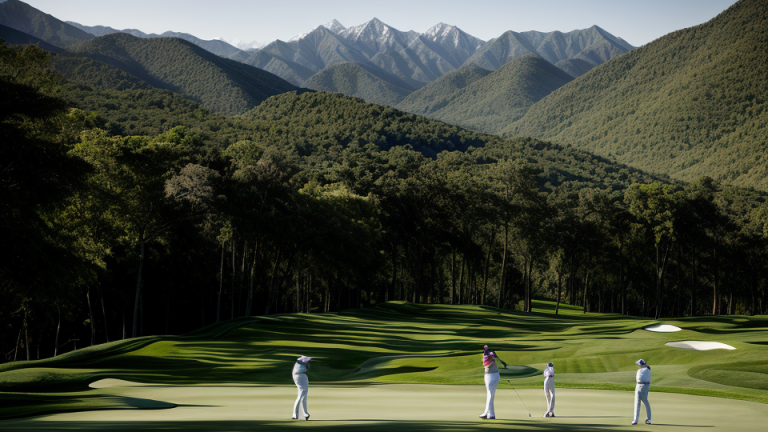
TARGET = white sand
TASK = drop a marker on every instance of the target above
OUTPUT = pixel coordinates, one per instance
(699, 345)
(663, 328)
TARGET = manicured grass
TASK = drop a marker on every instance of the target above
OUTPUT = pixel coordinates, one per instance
(426, 344)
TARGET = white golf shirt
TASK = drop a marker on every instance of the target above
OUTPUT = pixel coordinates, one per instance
(644, 375)
(549, 372)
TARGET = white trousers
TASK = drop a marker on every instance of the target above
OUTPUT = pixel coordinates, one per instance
(302, 383)
(491, 382)
(549, 393)
(641, 394)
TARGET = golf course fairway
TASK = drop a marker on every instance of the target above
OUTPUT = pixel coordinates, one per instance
(401, 366)
(404, 407)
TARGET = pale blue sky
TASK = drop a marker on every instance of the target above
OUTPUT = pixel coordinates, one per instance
(638, 22)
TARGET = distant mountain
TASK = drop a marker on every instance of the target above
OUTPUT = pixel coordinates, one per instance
(692, 103)
(217, 47)
(491, 102)
(363, 81)
(221, 85)
(334, 26)
(26, 19)
(439, 93)
(593, 45)
(298, 60)
(413, 58)
(15, 37)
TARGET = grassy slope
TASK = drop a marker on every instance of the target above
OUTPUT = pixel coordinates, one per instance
(689, 104)
(432, 344)
(221, 85)
(505, 95)
(356, 80)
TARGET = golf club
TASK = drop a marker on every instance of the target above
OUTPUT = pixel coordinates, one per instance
(521, 399)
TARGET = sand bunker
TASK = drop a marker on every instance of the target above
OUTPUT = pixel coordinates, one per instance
(114, 382)
(699, 345)
(663, 328)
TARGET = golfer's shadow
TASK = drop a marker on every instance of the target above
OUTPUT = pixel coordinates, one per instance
(585, 417)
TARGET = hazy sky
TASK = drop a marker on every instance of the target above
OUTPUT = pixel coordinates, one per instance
(637, 22)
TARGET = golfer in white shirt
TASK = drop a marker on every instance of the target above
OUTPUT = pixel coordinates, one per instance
(302, 383)
(549, 389)
(643, 380)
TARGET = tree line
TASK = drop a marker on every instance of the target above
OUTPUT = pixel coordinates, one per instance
(108, 236)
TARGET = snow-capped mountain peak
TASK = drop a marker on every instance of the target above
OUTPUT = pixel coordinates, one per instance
(334, 26)
(446, 34)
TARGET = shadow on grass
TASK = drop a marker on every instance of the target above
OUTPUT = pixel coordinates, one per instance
(332, 425)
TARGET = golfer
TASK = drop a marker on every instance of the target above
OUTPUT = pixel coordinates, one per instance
(491, 381)
(549, 389)
(302, 383)
(641, 390)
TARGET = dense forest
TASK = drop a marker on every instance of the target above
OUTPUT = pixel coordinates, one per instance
(315, 202)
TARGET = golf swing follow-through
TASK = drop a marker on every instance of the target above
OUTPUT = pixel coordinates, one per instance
(491, 381)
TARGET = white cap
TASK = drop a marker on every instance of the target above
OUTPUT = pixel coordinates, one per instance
(304, 359)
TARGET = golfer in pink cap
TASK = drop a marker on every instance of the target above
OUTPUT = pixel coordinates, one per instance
(302, 383)
(491, 381)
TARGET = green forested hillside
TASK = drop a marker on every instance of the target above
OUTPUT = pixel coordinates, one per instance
(575, 67)
(221, 85)
(15, 37)
(441, 91)
(689, 104)
(354, 79)
(491, 103)
(24, 18)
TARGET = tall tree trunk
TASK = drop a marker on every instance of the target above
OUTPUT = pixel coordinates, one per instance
(249, 303)
(26, 332)
(503, 278)
(90, 314)
(232, 294)
(453, 276)
(221, 285)
(241, 285)
(58, 329)
(488, 265)
(528, 291)
(586, 289)
(391, 291)
(461, 278)
(138, 284)
(18, 340)
(559, 285)
(103, 312)
(714, 284)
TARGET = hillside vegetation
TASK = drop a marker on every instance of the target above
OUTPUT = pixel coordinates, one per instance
(437, 94)
(221, 85)
(354, 79)
(490, 103)
(689, 104)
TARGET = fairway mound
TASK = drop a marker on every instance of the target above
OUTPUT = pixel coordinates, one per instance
(699, 345)
(663, 328)
(114, 382)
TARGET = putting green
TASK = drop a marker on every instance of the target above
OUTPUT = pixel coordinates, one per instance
(402, 407)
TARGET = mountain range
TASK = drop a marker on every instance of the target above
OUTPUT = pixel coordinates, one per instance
(689, 104)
